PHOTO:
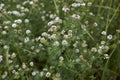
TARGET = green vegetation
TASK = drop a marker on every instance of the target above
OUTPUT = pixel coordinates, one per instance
(59, 40)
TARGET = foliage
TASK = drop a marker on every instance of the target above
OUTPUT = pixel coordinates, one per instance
(59, 40)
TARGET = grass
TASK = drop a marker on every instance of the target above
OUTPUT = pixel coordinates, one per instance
(59, 40)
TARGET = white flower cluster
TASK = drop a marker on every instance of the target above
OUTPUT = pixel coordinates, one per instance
(56, 20)
(65, 9)
(75, 16)
(1, 58)
(1, 6)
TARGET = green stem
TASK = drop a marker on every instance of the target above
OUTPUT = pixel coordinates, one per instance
(6, 57)
(107, 26)
(89, 35)
(57, 10)
(98, 12)
(103, 75)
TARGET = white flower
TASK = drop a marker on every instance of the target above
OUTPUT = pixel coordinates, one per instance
(102, 42)
(37, 50)
(22, 14)
(16, 73)
(18, 21)
(41, 74)
(1, 58)
(106, 48)
(56, 43)
(63, 31)
(24, 66)
(64, 42)
(77, 50)
(17, 66)
(52, 16)
(78, 37)
(13, 71)
(75, 45)
(91, 14)
(75, 16)
(6, 27)
(61, 58)
(13, 55)
(94, 49)
(84, 45)
(57, 75)
(70, 32)
(48, 74)
(106, 56)
(22, 8)
(2, 5)
(45, 69)
(89, 3)
(40, 45)
(95, 24)
(9, 12)
(50, 23)
(75, 4)
(57, 19)
(103, 33)
(100, 51)
(32, 47)
(66, 36)
(109, 37)
(65, 9)
(20, 43)
(0, 27)
(83, 4)
(10, 61)
(43, 18)
(26, 40)
(6, 22)
(52, 67)
(101, 47)
(28, 31)
(3, 76)
(38, 38)
(53, 28)
(33, 73)
(18, 6)
(26, 10)
(26, 20)
(31, 2)
(118, 30)
(42, 40)
(6, 47)
(16, 13)
(4, 32)
(53, 36)
(31, 63)
(14, 25)
(83, 27)
(44, 34)
(77, 60)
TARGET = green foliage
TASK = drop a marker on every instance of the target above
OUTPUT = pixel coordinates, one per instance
(59, 40)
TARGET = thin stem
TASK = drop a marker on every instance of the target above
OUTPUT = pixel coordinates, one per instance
(57, 10)
(98, 12)
(89, 35)
(107, 26)
(108, 62)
